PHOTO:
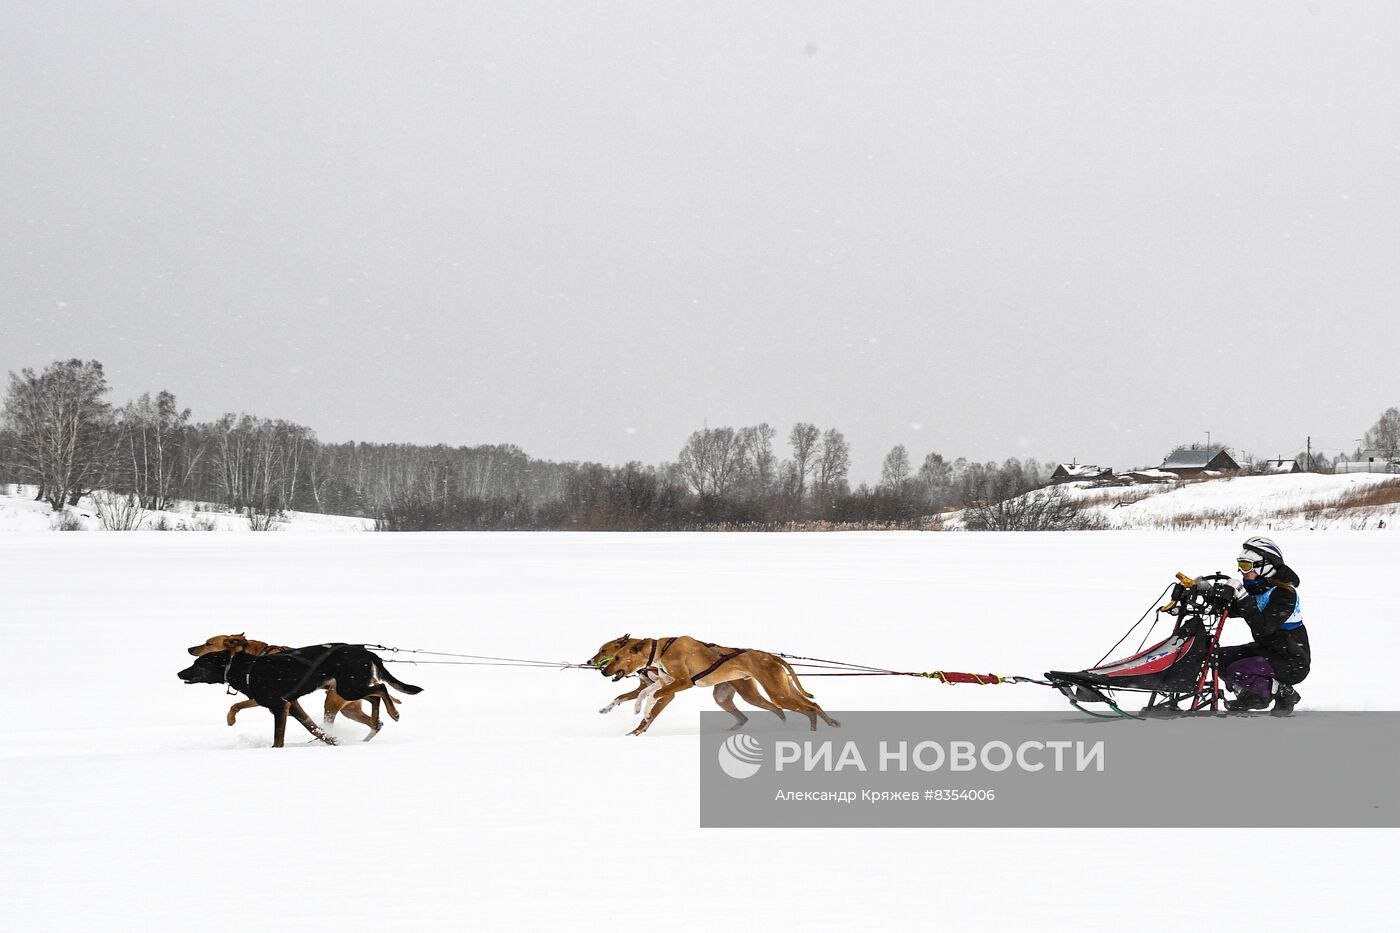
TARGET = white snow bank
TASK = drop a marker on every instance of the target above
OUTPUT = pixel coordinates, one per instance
(20, 512)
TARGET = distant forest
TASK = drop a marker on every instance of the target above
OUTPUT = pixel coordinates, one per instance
(61, 433)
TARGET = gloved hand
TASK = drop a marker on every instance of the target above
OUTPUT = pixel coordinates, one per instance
(1214, 590)
(1222, 592)
(1238, 585)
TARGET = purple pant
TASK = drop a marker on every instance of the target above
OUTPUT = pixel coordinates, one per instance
(1250, 675)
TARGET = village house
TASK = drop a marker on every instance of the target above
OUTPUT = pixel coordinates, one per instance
(1068, 472)
(1187, 462)
(1281, 466)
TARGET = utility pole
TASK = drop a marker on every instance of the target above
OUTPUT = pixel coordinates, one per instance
(1310, 463)
(1207, 440)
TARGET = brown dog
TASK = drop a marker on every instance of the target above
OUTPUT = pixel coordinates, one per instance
(684, 662)
(335, 704)
(653, 680)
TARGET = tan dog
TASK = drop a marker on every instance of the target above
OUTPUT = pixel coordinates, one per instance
(684, 662)
(653, 680)
(335, 703)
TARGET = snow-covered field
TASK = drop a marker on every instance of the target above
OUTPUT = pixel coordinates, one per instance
(502, 800)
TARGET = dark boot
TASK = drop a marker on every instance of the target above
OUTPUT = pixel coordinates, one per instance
(1246, 701)
(1284, 700)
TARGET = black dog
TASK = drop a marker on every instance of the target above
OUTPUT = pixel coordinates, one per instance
(277, 681)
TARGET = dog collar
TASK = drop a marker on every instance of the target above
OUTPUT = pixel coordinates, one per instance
(247, 673)
(228, 687)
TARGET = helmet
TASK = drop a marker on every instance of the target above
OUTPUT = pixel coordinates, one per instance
(1261, 555)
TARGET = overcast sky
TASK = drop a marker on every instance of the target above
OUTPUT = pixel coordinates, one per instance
(1049, 229)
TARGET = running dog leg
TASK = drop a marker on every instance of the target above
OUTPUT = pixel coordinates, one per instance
(375, 724)
(279, 725)
(648, 696)
(748, 689)
(305, 720)
(663, 698)
(234, 710)
(724, 696)
(630, 695)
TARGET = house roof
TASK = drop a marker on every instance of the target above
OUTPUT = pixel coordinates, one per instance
(1081, 469)
(1191, 458)
(1280, 466)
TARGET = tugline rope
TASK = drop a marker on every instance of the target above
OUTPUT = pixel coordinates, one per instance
(474, 660)
(847, 669)
(544, 665)
(829, 667)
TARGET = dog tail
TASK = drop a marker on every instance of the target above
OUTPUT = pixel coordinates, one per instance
(388, 678)
(795, 682)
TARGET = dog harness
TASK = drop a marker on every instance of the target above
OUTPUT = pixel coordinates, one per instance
(312, 666)
(715, 666)
(651, 659)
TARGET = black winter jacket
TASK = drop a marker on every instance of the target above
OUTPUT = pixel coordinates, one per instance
(1286, 649)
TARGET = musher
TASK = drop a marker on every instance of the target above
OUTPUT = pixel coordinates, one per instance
(1265, 670)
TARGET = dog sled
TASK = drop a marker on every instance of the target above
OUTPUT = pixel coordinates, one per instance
(1178, 675)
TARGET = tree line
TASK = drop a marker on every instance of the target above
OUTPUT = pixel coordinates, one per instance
(61, 433)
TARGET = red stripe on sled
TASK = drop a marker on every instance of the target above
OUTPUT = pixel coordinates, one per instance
(1153, 666)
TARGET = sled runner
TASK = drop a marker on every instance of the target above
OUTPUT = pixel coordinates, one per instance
(1178, 673)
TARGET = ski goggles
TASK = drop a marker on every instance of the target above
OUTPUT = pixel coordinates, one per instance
(1248, 566)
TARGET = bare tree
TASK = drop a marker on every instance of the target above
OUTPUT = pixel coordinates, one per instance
(692, 460)
(151, 436)
(758, 463)
(803, 440)
(262, 518)
(894, 473)
(119, 511)
(1039, 510)
(710, 460)
(258, 461)
(725, 459)
(1385, 433)
(61, 428)
(935, 479)
(832, 466)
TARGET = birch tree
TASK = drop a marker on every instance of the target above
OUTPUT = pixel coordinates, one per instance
(61, 426)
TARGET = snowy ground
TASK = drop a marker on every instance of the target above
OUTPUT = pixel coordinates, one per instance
(502, 800)
(20, 512)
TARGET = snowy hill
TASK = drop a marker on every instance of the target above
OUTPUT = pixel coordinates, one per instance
(1280, 502)
(1294, 501)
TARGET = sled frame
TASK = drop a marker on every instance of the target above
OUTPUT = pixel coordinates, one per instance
(1205, 698)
